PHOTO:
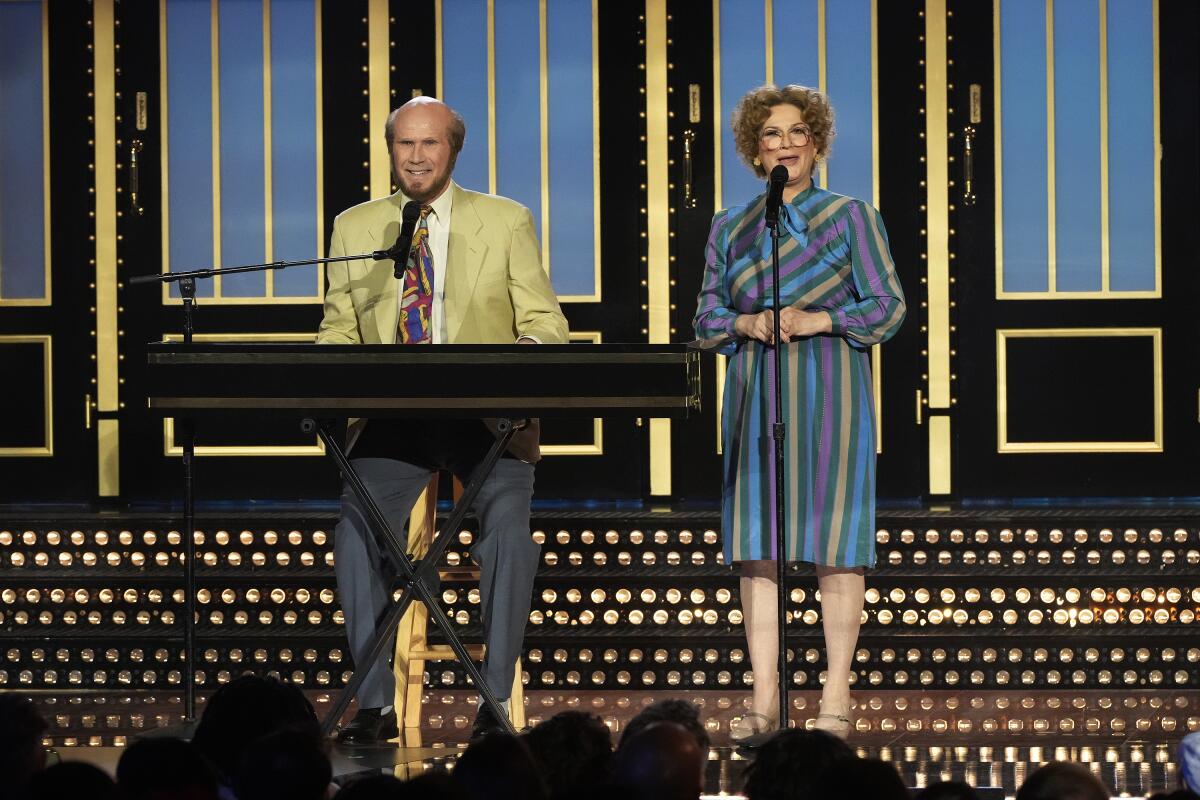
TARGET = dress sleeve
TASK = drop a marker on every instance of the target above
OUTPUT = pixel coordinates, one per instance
(878, 308)
(715, 315)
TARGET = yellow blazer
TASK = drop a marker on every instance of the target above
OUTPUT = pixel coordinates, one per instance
(495, 288)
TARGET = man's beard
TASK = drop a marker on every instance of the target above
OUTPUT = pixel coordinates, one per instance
(435, 191)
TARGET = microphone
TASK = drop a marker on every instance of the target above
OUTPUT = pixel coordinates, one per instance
(399, 251)
(778, 178)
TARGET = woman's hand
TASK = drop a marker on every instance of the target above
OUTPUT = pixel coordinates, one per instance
(760, 326)
(796, 323)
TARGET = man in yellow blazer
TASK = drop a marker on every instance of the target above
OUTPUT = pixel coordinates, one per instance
(488, 288)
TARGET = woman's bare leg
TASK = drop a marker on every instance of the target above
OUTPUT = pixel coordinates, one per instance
(760, 611)
(842, 592)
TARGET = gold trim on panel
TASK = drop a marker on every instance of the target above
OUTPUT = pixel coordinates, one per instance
(163, 158)
(596, 446)
(722, 364)
(877, 392)
(769, 34)
(268, 173)
(658, 223)
(47, 284)
(47, 402)
(544, 88)
(491, 94)
(1157, 160)
(544, 129)
(215, 47)
(939, 455)
(1051, 163)
(937, 203)
(320, 102)
(822, 76)
(1105, 275)
(438, 45)
(315, 449)
(718, 203)
(378, 96)
(1005, 446)
(108, 439)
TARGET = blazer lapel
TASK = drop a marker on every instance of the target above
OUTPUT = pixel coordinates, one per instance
(381, 275)
(464, 260)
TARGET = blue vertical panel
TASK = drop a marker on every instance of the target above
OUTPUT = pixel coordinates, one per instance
(518, 106)
(848, 71)
(1131, 146)
(572, 145)
(1023, 145)
(22, 154)
(465, 84)
(1077, 145)
(794, 42)
(743, 67)
(294, 142)
(189, 126)
(243, 209)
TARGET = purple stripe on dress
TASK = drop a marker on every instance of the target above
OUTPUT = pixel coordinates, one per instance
(821, 480)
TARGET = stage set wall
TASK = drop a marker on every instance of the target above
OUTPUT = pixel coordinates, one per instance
(1035, 163)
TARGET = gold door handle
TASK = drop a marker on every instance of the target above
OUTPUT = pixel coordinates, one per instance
(969, 197)
(87, 412)
(689, 192)
(135, 148)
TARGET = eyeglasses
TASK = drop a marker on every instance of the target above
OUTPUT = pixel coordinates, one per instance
(798, 135)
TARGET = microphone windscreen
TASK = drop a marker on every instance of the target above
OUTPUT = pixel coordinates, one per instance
(779, 174)
(412, 210)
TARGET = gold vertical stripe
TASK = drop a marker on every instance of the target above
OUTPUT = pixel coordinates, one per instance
(769, 32)
(1158, 287)
(1051, 211)
(598, 290)
(722, 366)
(877, 393)
(544, 128)
(268, 177)
(658, 223)
(491, 94)
(437, 47)
(939, 454)
(937, 203)
(320, 102)
(718, 203)
(107, 377)
(215, 49)
(997, 128)
(822, 76)
(48, 286)
(378, 96)
(1105, 273)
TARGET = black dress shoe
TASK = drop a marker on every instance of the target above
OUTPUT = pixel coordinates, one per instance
(485, 723)
(369, 726)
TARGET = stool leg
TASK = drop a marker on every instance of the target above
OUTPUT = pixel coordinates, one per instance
(410, 633)
(516, 700)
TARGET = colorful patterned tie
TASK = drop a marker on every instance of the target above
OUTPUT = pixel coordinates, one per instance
(416, 301)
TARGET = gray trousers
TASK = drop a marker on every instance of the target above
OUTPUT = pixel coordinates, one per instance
(506, 554)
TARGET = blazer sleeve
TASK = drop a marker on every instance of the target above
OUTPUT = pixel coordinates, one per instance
(340, 323)
(535, 306)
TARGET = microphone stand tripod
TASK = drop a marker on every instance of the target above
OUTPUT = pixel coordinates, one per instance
(779, 435)
(187, 430)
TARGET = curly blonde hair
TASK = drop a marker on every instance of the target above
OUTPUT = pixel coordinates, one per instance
(755, 107)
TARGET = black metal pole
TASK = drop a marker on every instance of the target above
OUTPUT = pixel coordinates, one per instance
(779, 432)
(187, 288)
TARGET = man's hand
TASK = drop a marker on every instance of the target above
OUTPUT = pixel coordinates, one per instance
(527, 340)
(796, 323)
(760, 326)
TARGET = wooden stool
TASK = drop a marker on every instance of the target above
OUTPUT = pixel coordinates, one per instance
(412, 646)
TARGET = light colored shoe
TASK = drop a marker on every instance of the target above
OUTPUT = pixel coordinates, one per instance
(751, 724)
(837, 724)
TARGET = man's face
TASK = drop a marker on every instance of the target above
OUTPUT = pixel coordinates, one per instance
(422, 157)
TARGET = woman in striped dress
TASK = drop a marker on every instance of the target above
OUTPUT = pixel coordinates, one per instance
(839, 296)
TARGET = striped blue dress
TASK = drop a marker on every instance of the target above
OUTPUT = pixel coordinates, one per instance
(834, 257)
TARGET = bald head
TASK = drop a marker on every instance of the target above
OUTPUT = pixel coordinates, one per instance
(434, 110)
(663, 760)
